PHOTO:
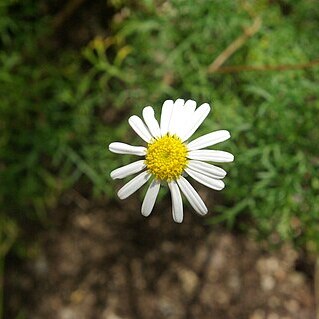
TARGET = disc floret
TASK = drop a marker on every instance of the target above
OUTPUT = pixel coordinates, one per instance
(166, 157)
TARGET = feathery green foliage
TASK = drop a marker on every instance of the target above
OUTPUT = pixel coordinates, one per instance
(60, 107)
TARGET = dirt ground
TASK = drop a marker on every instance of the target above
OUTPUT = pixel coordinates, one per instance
(106, 261)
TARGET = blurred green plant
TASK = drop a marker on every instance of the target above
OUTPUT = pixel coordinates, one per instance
(272, 115)
(61, 106)
(52, 130)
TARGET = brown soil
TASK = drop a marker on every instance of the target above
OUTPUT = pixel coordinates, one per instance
(107, 261)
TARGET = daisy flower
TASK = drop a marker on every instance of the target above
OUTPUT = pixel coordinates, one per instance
(168, 157)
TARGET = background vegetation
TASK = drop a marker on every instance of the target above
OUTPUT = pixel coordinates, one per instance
(66, 95)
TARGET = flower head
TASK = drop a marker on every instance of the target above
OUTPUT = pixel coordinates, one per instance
(169, 157)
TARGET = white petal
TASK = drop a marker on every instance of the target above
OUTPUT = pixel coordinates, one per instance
(192, 196)
(166, 115)
(122, 148)
(199, 116)
(151, 122)
(211, 156)
(150, 198)
(209, 140)
(176, 118)
(177, 204)
(190, 105)
(213, 183)
(186, 117)
(133, 185)
(127, 170)
(207, 169)
(140, 128)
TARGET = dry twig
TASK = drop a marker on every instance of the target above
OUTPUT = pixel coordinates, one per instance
(67, 12)
(283, 67)
(235, 45)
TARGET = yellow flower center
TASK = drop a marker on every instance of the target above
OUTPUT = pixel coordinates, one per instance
(166, 157)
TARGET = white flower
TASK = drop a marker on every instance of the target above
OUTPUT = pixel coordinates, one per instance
(168, 157)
